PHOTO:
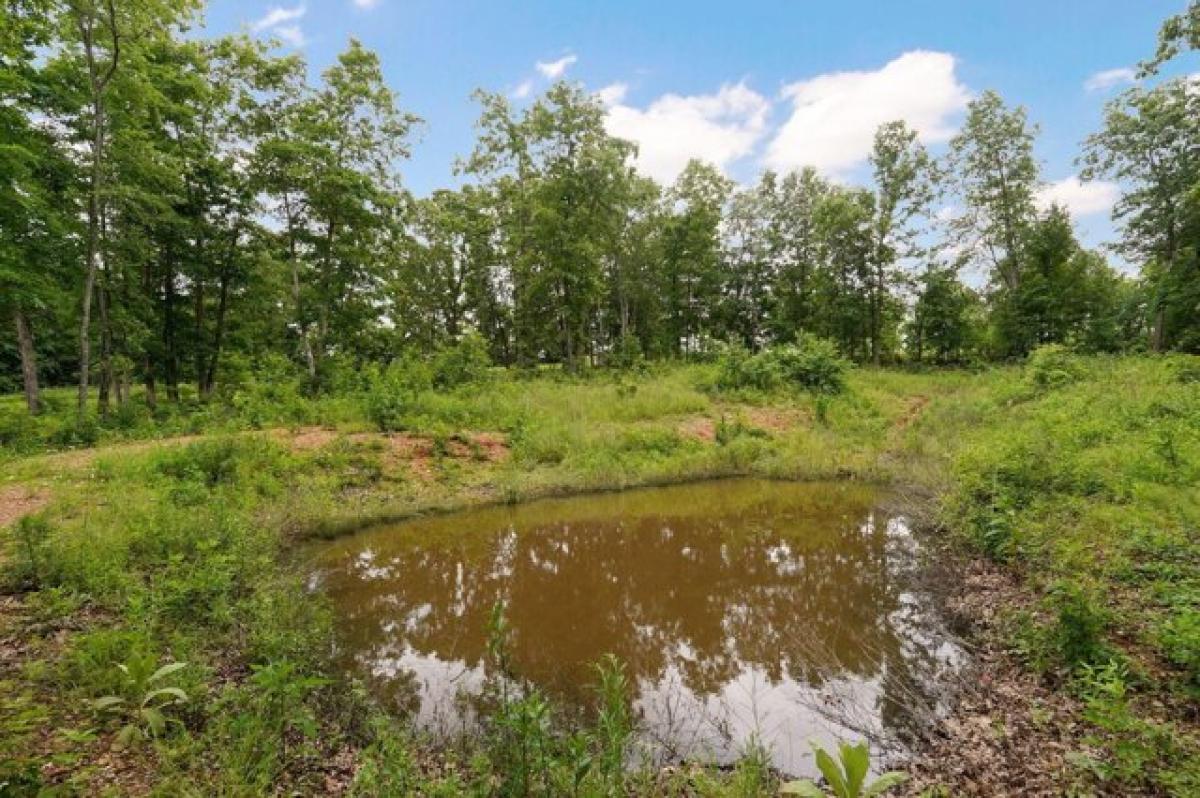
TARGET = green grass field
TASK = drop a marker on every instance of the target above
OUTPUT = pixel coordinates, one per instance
(144, 548)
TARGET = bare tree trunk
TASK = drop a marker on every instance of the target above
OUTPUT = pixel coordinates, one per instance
(29, 374)
(86, 21)
(210, 377)
(106, 371)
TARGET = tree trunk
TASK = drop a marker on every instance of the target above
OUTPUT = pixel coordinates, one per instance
(106, 371)
(171, 358)
(29, 374)
(210, 377)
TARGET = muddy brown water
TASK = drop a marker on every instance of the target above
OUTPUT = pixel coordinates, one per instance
(745, 611)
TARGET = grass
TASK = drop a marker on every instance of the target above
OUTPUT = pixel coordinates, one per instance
(1080, 475)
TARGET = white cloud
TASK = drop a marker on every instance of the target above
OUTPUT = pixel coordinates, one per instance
(1110, 78)
(366, 4)
(613, 93)
(276, 16)
(718, 128)
(553, 70)
(290, 34)
(835, 116)
(1081, 199)
(523, 90)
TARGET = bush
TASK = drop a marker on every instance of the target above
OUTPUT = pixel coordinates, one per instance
(1053, 366)
(464, 362)
(811, 364)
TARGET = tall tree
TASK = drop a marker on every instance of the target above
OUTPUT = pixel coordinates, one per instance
(1151, 144)
(691, 253)
(904, 187)
(992, 160)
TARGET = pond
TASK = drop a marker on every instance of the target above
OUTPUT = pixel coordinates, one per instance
(745, 610)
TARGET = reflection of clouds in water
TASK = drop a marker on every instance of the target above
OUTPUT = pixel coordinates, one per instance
(743, 610)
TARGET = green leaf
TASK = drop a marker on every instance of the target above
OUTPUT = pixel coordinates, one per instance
(175, 692)
(107, 702)
(832, 772)
(884, 783)
(804, 788)
(166, 670)
(856, 760)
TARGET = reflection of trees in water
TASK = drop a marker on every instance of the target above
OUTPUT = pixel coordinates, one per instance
(765, 584)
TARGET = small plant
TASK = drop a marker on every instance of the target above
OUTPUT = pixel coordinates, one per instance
(614, 726)
(32, 534)
(847, 777)
(144, 716)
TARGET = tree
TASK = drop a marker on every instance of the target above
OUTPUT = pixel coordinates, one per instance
(35, 179)
(1178, 33)
(904, 185)
(795, 247)
(1151, 144)
(997, 176)
(329, 167)
(691, 253)
(562, 183)
(947, 318)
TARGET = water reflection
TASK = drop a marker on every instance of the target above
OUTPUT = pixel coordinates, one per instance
(741, 608)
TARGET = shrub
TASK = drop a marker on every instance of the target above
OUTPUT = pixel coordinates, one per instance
(1081, 623)
(811, 364)
(1052, 366)
(464, 362)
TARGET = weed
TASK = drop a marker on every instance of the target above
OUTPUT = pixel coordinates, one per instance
(846, 776)
(142, 711)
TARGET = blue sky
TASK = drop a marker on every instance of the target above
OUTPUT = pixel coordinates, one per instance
(743, 84)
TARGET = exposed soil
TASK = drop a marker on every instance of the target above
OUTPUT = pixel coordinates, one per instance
(18, 501)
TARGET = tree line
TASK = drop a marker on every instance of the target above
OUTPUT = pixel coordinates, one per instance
(175, 207)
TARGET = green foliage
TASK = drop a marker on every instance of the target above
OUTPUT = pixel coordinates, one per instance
(462, 363)
(846, 776)
(1141, 752)
(1053, 366)
(812, 364)
(33, 564)
(142, 711)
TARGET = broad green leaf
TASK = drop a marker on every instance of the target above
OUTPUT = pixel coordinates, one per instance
(175, 692)
(832, 772)
(884, 783)
(107, 702)
(156, 720)
(804, 788)
(856, 759)
(166, 670)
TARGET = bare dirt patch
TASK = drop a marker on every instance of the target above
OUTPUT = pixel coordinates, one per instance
(701, 428)
(916, 406)
(18, 501)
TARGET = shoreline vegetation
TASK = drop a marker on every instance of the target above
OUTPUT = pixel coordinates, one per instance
(1068, 541)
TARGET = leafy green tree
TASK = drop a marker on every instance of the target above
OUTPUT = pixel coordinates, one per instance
(1179, 33)
(562, 183)
(904, 187)
(992, 161)
(795, 250)
(1150, 143)
(35, 183)
(947, 319)
(691, 254)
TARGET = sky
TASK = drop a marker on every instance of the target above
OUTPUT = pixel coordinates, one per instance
(744, 85)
